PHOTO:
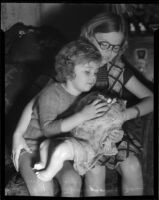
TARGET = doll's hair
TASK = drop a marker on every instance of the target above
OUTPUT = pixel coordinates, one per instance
(78, 51)
(106, 23)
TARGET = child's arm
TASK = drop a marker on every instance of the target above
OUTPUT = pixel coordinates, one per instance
(89, 112)
(49, 110)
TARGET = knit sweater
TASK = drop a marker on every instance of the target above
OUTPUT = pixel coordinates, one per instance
(50, 107)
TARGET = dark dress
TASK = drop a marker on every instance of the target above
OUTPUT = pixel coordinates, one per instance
(111, 79)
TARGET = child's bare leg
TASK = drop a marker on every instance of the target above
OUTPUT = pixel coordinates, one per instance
(43, 155)
(132, 179)
(63, 152)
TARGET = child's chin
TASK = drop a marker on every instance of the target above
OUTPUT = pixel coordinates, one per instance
(86, 89)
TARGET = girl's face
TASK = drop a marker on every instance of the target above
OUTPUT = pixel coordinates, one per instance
(108, 44)
(85, 76)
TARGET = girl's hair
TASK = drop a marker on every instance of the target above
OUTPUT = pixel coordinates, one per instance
(78, 51)
(105, 23)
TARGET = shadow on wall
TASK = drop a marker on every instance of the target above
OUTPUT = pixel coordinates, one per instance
(69, 18)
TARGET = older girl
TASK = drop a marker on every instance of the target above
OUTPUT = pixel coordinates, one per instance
(108, 32)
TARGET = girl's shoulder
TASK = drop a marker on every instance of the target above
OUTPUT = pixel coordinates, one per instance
(124, 67)
(128, 72)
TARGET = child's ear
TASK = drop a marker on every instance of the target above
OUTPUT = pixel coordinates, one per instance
(71, 76)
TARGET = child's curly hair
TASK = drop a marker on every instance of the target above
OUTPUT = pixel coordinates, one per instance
(71, 54)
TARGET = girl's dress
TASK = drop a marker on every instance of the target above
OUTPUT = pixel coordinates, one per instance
(112, 78)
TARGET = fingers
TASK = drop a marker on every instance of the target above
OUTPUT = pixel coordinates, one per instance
(28, 149)
(102, 109)
(99, 114)
(116, 135)
(99, 105)
(15, 157)
(117, 132)
(113, 101)
(16, 154)
(96, 102)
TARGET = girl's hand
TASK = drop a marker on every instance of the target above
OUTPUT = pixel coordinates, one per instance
(116, 135)
(18, 144)
(94, 110)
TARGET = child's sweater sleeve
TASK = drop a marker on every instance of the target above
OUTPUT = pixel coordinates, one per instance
(48, 110)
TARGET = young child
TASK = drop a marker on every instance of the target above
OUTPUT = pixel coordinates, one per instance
(76, 66)
(86, 143)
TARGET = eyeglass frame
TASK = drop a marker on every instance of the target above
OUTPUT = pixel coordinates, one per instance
(109, 45)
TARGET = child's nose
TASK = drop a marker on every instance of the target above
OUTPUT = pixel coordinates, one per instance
(93, 77)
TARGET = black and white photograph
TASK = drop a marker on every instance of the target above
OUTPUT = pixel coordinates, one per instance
(79, 99)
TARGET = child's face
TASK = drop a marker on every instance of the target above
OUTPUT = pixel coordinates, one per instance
(109, 44)
(85, 76)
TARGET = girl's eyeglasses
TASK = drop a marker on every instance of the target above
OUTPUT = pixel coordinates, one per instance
(104, 45)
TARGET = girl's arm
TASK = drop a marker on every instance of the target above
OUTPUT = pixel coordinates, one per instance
(24, 120)
(143, 93)
(18, 142)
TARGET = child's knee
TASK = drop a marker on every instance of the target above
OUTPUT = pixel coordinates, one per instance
(71, 180)
(131, 165)
(40, 189)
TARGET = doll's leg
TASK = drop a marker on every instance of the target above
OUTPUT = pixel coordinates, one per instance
(43, 155)
(132, 180)
(63, 152)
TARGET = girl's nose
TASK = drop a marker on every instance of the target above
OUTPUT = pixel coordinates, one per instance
(109, 52)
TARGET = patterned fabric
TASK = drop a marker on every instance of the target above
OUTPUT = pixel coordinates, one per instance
(128, 145)
(50, 107)
(113, 78)
(110, 77)
(91, 144)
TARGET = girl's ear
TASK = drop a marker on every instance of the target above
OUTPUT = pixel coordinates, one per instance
(121, 52)
(124, 47)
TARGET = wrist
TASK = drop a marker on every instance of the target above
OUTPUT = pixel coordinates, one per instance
(81, 117)
(125, 115)
(137, 111)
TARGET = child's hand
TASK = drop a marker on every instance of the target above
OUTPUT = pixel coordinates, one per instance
(116, 135)
(94, 110)
(18, 144)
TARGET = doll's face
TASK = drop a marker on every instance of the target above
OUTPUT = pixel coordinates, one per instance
(109, 44)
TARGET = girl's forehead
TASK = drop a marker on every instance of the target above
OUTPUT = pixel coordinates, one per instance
(114, 38)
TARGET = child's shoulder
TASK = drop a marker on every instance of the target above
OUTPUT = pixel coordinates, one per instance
(52, 89)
